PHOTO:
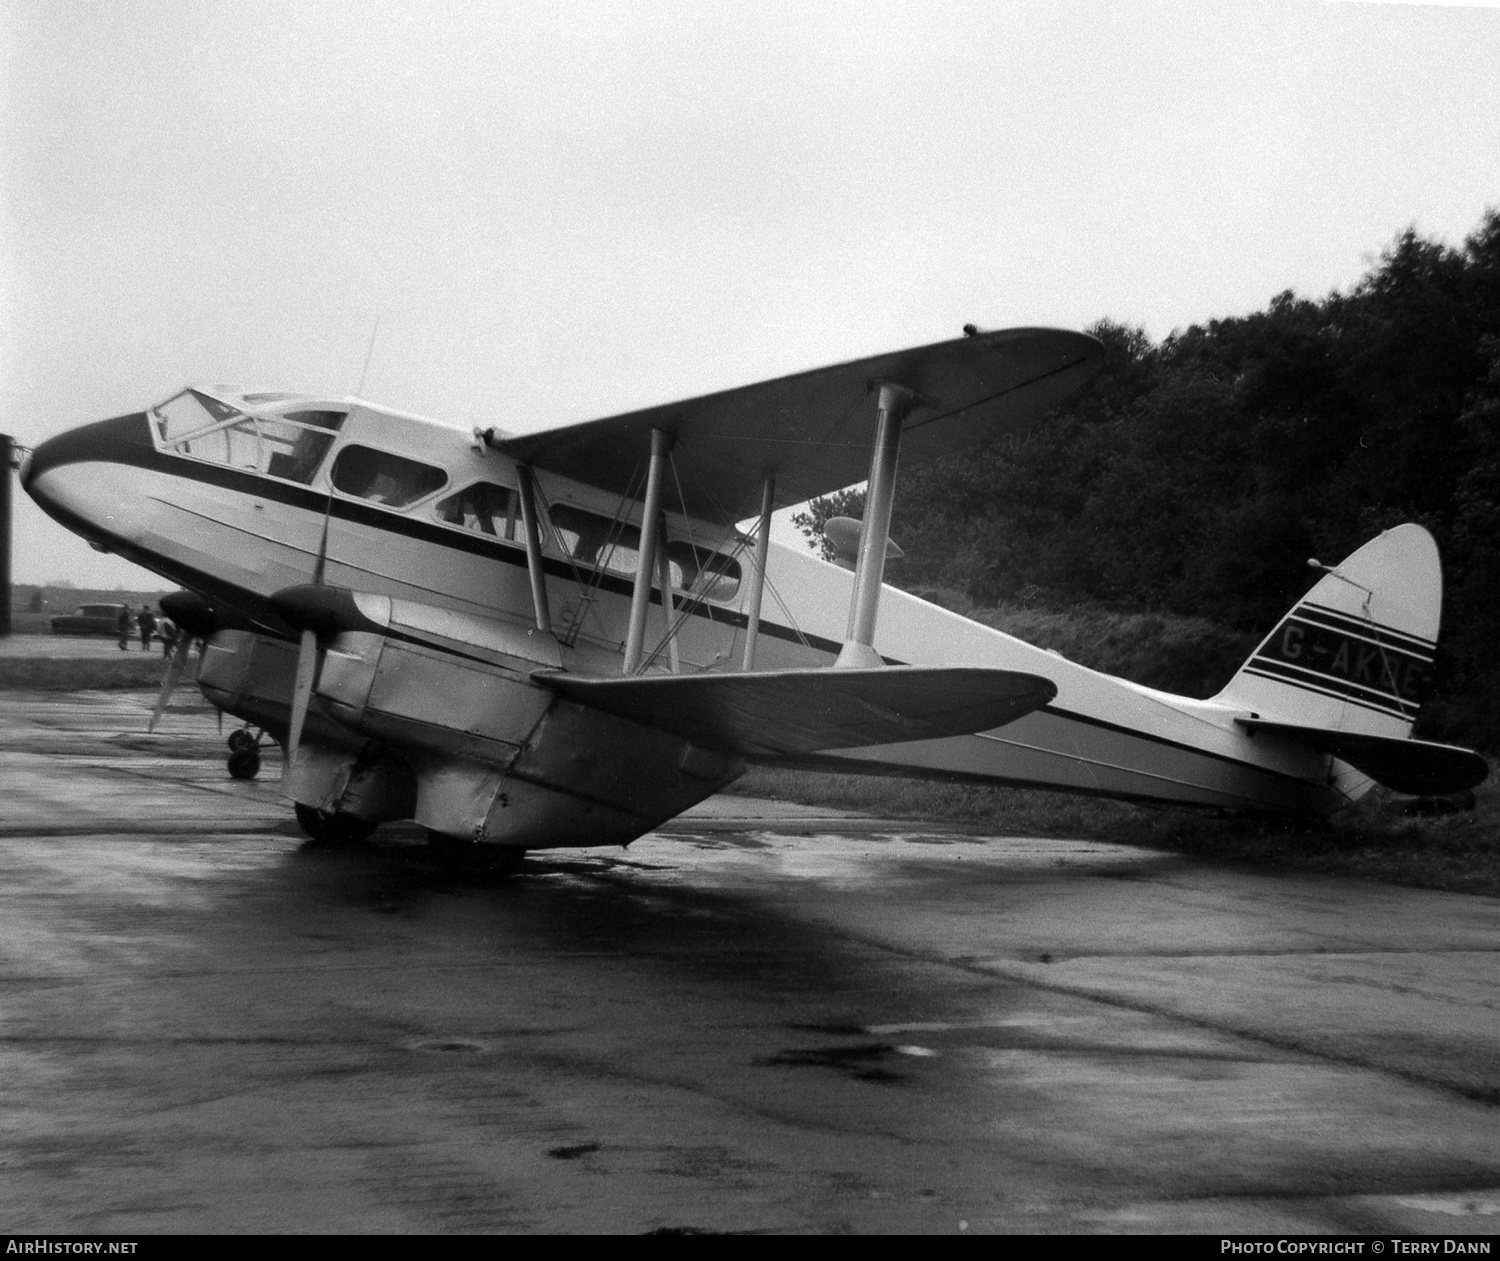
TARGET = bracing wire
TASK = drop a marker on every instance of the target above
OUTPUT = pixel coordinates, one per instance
(588, 586)
(727, 520)
(690, 603)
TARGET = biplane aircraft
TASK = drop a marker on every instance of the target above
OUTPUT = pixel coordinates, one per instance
(564, 638)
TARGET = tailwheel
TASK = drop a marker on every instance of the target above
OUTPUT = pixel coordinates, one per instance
(329, 827)
(240, 738)
(475, 858)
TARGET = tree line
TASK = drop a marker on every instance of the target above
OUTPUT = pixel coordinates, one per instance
(1197, 474)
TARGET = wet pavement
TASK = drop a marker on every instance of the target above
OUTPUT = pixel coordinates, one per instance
(763, 1018)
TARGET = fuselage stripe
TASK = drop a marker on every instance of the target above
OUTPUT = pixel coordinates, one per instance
(1321, 678)
(1324, 678)
(1269, 670)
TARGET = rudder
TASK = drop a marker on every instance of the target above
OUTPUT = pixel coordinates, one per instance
(1356, 652)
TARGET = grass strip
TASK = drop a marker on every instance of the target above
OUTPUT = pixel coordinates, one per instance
(132, 671)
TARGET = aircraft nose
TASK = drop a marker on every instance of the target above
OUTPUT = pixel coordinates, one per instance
(67, 475)
(103, 440)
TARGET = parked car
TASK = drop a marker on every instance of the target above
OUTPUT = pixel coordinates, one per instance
(92, 619)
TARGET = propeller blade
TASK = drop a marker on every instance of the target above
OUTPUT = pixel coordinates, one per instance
(307, 650)
(175, 666)
(307, 665)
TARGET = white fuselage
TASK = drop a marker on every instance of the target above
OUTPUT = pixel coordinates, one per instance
(241, 533)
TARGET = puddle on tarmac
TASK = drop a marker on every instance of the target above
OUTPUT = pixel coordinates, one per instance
(1460, 1204)
(450, 1046)
(863, 1061)
(573, 1152)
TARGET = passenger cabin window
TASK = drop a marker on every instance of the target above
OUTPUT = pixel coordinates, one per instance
(485, 508)
(700, 572)
(596, 541)
(593, 540)
(290, 446)
(384, 478)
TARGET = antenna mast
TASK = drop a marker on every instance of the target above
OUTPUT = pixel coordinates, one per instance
(369, 353)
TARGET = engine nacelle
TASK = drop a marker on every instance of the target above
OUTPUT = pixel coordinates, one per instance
(493, 754)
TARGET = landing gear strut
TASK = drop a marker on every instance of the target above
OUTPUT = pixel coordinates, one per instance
(244, 753)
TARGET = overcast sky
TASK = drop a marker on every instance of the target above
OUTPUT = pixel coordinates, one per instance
(562, 211)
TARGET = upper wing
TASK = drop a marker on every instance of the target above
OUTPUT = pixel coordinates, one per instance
(801, 711)
(814, 430)
(1407, 766)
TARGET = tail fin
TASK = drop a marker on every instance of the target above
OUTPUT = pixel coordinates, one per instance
(1356, 653)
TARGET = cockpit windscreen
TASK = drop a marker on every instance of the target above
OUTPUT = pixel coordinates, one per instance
(288, 445)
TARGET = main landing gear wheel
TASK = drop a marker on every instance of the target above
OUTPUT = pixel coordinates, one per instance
(244, 753)
(244, 763)
(474, 858)
(328, 827)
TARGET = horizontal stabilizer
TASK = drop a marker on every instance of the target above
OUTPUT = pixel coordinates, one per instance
(802, 711)
(1405, 766)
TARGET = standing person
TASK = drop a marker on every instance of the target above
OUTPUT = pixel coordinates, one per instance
(146, 620)
(167, 631)
(122, 624)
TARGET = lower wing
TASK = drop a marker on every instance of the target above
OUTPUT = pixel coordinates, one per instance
(784, 712)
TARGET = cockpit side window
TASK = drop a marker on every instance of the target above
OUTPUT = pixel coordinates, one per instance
(187, 415)
(305, 438)
(483, 507)
(384, 478)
